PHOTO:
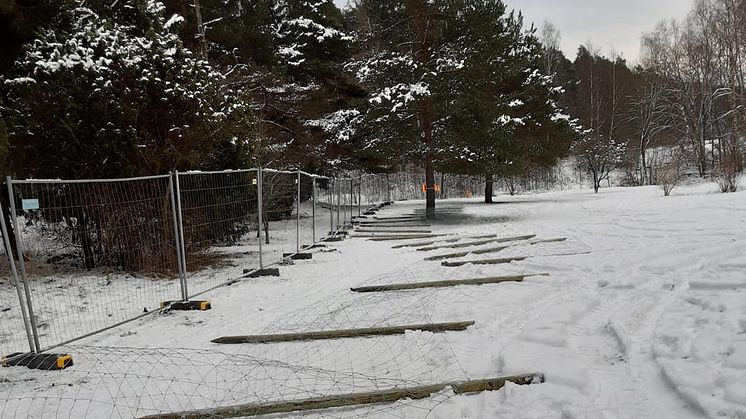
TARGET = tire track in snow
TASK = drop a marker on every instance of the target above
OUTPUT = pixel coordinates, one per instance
(625, 374)
(612, 382)
(646, 365)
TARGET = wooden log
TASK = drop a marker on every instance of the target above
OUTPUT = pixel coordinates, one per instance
(344, 333)
(477, 243)
(483, 261)
(351, 399)
(450, 240)
(462, 254)
(443, 283)
(392, 224)
(490, 249)
(557, 240)
(402, 237)
(394, 231)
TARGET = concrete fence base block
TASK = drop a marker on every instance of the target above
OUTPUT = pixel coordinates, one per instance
(186, 305)
(262, 272)
(38, 361)
(298, 256)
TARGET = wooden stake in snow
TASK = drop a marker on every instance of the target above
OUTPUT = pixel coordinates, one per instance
(345, 333)
(352, 399)
(483, 261)
(444, 283)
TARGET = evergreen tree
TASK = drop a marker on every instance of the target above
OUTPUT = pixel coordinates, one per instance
(112, 91)
(476, 102)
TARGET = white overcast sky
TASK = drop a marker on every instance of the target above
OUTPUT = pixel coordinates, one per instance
(610, 24)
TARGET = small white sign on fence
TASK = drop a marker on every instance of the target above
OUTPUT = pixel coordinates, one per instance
(30, 204)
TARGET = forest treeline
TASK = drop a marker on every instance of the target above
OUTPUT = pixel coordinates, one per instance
(112, 88)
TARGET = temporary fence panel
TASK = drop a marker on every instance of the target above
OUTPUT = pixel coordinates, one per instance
(346, 201)
(306, 217)
(279, 214)
(219, 218)
(95, 253)
(324, 209)
(15, 333)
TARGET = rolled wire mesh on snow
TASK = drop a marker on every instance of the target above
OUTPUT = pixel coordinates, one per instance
(126, 382)
(132, 382)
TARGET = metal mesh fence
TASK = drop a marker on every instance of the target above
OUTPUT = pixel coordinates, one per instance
(95, 253)
(14, 336)
(306, 215)
(459, 186)
(219, 213)
(279, 206)
(324, 208)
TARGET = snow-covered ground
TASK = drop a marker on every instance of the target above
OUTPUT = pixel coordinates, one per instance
(642, 315)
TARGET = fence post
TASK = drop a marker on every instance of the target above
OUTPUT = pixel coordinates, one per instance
(22, 264)
(259, 212)
(16, 281)
(359, 194)
(388, 188)
(178, 231)
(313, 208)
(330, 191)
(339, 199)
(297, 216)
(342, 200)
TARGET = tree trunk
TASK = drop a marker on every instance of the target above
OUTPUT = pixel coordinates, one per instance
(596, 183)
(86, 242)
(200, 30)
(417, 9)
(644, 177)
(489, 181)
(429, 185)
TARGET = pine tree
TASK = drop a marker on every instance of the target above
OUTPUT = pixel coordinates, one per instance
(475, 101)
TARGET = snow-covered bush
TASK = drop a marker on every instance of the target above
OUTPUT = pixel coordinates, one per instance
(119, 87)
(668, 174)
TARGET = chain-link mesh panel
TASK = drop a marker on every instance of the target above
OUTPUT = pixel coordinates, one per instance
(324, 215)
(96, 253)
(307, 233)
(219, 213)
(279, 196)
(14, 335)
